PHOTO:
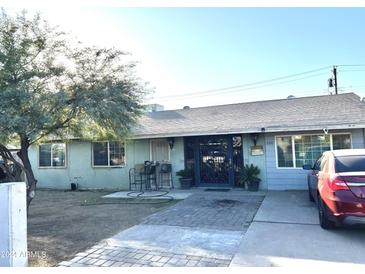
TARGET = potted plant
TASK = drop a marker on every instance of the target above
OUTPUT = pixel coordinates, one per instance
(250, 177)
(186, 177)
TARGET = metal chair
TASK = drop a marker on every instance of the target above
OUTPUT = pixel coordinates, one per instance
(136, 177)
(150, 174)
(165, 173)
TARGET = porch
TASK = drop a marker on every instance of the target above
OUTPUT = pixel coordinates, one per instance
(215, 160)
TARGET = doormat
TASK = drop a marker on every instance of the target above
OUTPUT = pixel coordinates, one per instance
(218, 189)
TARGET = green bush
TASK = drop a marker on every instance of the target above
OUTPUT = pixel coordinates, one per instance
(185, 173)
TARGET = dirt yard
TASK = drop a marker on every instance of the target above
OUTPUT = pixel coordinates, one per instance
(63, 223)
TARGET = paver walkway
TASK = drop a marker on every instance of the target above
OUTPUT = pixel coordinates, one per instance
(229, 211)
(203, 230)
(115, 256)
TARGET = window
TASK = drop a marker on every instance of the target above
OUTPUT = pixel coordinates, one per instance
(108, 154)
(341, 141)
(309, 147)
(52, 155)
(160, 150)
(284, 151)
(298, 150)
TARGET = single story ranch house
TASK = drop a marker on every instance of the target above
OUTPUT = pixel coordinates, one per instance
(278, 136)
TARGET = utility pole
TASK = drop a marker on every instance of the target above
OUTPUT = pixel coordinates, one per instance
(335, 78)
(332, 82)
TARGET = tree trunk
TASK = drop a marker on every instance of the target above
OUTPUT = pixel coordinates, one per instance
(31, 181)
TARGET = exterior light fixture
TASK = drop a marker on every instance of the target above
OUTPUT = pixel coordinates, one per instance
(254, 137)
(171, 141)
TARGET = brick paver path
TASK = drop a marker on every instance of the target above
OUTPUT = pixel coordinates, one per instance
(233, 210)
(229, 211)
(110, 256)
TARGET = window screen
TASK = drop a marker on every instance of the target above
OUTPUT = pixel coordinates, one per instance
(341, 141)
(100, 153)
(108, 154)
(45, 155)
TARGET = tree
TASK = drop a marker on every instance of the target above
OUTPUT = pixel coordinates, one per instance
(53, 87)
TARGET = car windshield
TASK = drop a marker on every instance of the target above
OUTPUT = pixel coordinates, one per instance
(350, 163)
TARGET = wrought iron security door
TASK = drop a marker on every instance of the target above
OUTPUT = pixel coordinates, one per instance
(215, 160)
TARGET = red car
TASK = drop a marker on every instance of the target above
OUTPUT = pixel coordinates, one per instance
(337, 184)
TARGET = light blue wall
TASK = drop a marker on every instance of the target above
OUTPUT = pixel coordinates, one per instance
(79, 164)
(140, 152)
(295, 178)
(137, 151)
(257, 160)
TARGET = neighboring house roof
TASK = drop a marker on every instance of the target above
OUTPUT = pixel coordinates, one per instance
(341, 111)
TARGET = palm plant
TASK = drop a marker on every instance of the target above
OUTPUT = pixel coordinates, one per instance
(249, 175)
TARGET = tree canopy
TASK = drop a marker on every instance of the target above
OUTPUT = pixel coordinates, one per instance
(51, 85)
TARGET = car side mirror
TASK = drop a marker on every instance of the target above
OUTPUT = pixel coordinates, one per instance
(307, 167)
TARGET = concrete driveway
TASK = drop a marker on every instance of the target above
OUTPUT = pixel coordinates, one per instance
(285, 232)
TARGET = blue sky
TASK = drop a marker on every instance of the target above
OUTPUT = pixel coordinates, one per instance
(187, 50)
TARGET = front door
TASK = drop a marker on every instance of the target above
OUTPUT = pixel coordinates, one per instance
(215, 160)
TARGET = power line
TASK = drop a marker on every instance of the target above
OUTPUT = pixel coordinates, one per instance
(356, 65)
(195, 95)
(313, 92)
(246, 85)
(323, 90)
(351, 70)
(275, 97)
(254, 85)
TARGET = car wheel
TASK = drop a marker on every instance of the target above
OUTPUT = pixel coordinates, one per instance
(324, 221)
(310, 196)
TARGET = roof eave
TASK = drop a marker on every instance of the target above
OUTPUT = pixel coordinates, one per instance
(252, 130)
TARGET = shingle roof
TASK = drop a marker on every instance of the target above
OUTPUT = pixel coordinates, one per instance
(304, 113)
